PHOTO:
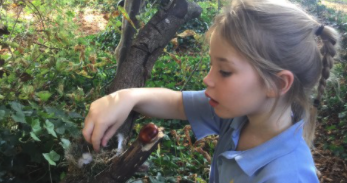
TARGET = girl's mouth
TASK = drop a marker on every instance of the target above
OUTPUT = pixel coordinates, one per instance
(212, 102)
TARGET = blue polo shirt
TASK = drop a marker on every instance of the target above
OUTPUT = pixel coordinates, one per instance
(285, 158)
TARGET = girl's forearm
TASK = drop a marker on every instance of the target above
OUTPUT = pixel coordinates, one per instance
(155, 102)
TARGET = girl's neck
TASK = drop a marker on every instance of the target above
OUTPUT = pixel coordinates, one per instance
(262, 127)
(264, 123)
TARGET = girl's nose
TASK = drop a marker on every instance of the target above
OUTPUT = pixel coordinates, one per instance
(208, 79)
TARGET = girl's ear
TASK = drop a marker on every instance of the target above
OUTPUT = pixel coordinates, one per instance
(286, 79)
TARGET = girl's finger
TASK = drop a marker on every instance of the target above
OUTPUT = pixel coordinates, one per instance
(88, 129)
(109, 134)
(98, 133)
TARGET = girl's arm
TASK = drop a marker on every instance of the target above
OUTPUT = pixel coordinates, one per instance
(108, 113)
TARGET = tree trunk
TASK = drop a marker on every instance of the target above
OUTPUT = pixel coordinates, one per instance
(133, 70)
(128, 31)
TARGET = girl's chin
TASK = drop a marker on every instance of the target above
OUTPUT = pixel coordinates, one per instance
(223, 114)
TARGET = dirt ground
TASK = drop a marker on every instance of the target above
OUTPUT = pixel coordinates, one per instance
(91, 22)
(338, 6)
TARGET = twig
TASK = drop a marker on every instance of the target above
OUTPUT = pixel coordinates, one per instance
(43, 25)
(50, 174)
(153, 3)
(195, 68)
(112, 66)
(15, 23)
(52, 48)
(107, 84)
(11, 53)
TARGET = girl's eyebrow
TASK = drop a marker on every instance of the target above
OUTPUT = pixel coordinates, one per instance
(222, 59)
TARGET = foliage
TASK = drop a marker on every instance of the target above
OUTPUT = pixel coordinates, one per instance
(50, 72)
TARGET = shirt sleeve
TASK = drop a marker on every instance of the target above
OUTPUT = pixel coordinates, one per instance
(200, 114)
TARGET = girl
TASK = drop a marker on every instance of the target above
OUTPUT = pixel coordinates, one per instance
(264, 63)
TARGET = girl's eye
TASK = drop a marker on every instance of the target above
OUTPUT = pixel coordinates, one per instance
(224, 73)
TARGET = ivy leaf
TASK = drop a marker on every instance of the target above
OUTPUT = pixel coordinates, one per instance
(33, 135)
(51, 157)
(2, 114)
(43, 95)
(16, 106)
(19, 117)
(50, 128)
(36, 126)
(65, 143)
(56, 112)
(75, 115)
(60, 130)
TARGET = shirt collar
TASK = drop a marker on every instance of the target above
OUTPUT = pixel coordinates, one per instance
(253, 159)
(238, 123)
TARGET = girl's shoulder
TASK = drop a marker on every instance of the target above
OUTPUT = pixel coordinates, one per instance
(296, 166)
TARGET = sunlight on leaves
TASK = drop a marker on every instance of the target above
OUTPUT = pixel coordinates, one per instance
(126, 16)
(51, 157)
(44, 95)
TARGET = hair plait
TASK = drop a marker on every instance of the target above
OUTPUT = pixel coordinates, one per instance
(328, 51)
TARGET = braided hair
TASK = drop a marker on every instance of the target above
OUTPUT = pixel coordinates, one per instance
(328, 51)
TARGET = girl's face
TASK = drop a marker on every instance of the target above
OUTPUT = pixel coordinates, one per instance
(233, 86)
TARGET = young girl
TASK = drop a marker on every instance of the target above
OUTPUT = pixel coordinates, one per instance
(264, 63)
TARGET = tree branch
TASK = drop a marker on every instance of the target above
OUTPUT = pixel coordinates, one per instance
(132, 7)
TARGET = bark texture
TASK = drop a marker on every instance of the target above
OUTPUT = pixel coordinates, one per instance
(128, 31)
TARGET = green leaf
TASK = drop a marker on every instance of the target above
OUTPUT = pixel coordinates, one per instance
(56, 112)
(33, 135)
(118, 23)
(126, 16)
(51, 157)
(43, 95)
(50, 128)
(2, 97)
(62, 175)
(2, 114)
(19, 117)
(75, 115)
(70, 14)
(60, 130)
(342, 115)
(36, 126)
(16, 106)
(65, 143)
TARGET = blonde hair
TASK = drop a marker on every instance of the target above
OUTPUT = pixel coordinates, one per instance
(277, 35)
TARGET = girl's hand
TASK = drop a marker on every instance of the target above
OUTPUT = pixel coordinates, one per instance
(105, 116)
